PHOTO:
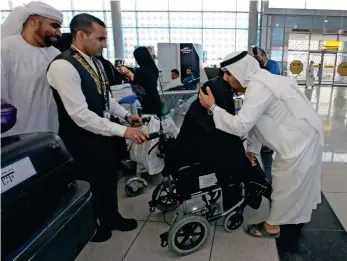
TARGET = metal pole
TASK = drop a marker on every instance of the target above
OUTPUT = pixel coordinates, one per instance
(253, 23)
(117, 29)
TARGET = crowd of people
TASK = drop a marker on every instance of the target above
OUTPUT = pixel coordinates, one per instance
(66, 93)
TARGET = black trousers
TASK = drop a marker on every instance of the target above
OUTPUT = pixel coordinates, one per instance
(100, 170)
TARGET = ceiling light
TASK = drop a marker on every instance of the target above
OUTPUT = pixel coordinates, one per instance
(326, 21)
(276, 24)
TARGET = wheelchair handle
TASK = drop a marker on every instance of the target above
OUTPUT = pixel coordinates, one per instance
(154, 135)
(146, 120)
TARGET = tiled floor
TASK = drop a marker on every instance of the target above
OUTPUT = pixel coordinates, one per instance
(323, 239)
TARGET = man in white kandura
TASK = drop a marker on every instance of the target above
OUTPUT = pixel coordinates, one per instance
(27, 36)
(277, 115)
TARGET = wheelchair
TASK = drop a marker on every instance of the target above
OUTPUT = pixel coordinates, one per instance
(190, 230)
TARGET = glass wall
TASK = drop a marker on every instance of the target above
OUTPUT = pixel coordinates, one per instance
(309, 4)
(275, 26)
(220, 25)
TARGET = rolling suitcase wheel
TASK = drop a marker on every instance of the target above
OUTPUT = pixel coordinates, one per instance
(135, 187)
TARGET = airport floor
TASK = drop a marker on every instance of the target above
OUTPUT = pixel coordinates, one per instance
(323, 239)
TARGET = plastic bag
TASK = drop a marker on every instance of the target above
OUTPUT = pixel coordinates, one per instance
(169, 126)
(181, 109)
(139, 153)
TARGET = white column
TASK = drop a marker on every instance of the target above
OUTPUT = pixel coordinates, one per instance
(253, 23)
(116, 14)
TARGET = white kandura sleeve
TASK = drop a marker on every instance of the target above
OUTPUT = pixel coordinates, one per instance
(63, 77)
(257, 99)
(253, 143)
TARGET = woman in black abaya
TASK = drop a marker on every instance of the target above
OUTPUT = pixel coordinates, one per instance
(147, 76)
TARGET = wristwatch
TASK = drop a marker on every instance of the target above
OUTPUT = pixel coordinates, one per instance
(127, 116)
(211, 109)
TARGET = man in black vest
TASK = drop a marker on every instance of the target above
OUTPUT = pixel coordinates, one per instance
(85, 107)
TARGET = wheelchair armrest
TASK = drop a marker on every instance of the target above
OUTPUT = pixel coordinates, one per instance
(128, 99)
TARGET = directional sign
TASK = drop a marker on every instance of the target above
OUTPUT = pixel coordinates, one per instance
(342, 69)
(296, 67)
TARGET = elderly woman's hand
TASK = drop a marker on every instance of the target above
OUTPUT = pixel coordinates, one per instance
(208, 100)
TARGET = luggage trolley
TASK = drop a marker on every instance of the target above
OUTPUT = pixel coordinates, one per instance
(127, 98)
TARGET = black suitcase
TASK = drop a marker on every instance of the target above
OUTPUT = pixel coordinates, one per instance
(66, 233)
(35, 175)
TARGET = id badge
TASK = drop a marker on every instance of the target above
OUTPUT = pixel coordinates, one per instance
(107, 115)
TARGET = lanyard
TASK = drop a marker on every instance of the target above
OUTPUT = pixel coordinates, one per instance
(102, 75)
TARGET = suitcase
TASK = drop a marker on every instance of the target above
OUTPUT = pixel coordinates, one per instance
(36, 172)
(8, 116)
(66, 233)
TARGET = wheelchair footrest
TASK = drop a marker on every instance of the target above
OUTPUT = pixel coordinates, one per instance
(257, 188)
(152, 204)
(164, 239)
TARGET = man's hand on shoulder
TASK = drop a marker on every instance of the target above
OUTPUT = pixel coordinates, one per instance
(136, 135)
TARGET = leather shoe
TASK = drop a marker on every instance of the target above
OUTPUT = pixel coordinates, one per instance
(101, 235)
(124, 224)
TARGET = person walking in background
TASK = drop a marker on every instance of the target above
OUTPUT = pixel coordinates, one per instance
(310, 75)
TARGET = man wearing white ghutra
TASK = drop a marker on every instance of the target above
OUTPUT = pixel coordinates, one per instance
(277, 115)
(27, 36)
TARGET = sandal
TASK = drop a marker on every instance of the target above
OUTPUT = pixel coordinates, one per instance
(252, 230)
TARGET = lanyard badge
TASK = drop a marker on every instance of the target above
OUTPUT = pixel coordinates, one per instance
(107, 114)
(106, 91)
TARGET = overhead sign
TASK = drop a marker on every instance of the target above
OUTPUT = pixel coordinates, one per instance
(342, 69)
(296, 67)
(331, 45)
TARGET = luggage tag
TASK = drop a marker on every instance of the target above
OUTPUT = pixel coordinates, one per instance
(107, 115)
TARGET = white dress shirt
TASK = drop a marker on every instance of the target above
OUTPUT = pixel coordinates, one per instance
(173, 84)
(64, 78)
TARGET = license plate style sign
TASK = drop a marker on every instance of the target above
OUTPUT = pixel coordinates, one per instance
(16, 173)
(207, 181)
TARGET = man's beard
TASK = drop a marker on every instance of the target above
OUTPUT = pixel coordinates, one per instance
(261, 64)
(47, 40)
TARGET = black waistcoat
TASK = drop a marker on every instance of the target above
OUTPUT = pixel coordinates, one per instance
(81, 143)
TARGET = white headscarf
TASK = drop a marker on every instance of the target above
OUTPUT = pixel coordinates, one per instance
(248, 72)
(14, 23)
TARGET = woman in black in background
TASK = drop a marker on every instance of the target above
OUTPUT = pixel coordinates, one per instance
(147, 76)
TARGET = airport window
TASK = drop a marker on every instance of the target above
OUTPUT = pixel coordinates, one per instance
(128, 19)
(153, 19)
(147, 22)
(188, 19)
(219, 20)
(220, 5)
(153, 5)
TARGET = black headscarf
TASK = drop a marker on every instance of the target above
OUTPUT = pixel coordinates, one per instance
(64, 42)
(144, 59)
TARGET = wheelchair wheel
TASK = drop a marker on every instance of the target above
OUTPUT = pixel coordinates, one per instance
(233, 222)
(134, 187)
(161, 196)
(212, 197)
(188, 234)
